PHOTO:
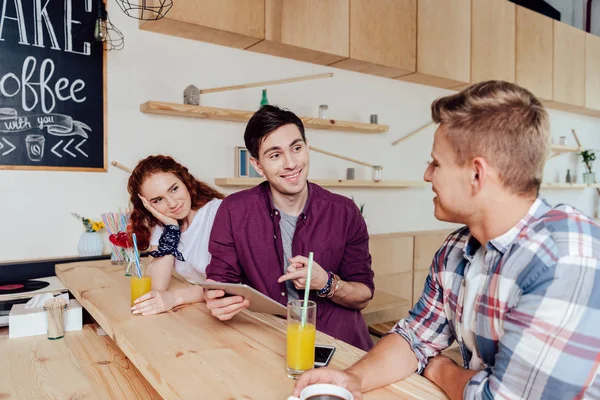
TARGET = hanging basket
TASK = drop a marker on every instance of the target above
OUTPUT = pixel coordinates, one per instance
(148, 10)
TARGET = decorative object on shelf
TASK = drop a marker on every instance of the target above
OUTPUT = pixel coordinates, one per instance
(350, 173)
(90, 242)
(264, 101)
(323, 111)
(105, 32)
(562, 140)
(226, 114)
(148, 10)
(377, 172)
(191, 95)
(588, 156)
(243, 166)
(374, 118)
(422, 128)
(568, 177)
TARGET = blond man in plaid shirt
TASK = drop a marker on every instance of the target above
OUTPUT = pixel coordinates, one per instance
(518, 287)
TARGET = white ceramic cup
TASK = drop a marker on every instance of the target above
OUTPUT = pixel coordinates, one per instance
(323, 389)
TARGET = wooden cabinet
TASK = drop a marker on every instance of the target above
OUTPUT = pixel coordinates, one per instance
(383, 37)
(569, 66)
(316, 31)
(592, 72)
(443, 43)
(233, 23)
(534, 52)
(493, 27)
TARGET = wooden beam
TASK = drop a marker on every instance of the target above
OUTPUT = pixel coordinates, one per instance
(395, 142)
(329, 153)
(121, 166)
(383, 184)
(266, 83)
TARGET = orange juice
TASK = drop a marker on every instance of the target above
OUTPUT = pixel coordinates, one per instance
(140, 286)
(300, 346)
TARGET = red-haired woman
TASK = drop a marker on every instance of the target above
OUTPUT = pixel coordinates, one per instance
(173, 213)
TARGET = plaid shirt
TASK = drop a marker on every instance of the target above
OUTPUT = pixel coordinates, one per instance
(537, 322)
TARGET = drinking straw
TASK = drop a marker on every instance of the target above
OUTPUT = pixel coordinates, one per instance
(137, 256)
(307, 289)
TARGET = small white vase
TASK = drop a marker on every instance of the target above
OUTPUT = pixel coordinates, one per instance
(90, 244)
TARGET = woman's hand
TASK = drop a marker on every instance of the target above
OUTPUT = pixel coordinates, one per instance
(161, 217)
(154, 302)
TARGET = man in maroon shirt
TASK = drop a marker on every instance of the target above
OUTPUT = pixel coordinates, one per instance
(262, 236)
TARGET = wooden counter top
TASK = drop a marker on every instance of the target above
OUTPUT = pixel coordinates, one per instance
(82, 365)
(186, 353)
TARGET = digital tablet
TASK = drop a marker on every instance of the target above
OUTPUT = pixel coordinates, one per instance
(258, 301)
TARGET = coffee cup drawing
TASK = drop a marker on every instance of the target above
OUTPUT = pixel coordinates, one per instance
(323, 391)
(35, 147)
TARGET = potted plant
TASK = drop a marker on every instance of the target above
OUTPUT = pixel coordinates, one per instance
(588, 158)
(90, 242)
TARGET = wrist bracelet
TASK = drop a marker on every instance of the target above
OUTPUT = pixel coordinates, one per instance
(334, 286)
(323, 292)
(168, 243)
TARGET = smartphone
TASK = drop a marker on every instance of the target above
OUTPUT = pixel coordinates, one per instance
(323, 354)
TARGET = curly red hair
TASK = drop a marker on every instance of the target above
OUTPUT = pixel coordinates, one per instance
(142, 222)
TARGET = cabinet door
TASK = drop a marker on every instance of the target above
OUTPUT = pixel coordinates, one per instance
(592, 72)
(316, 31)
(443, 43)
(233, 23)
(383, 37)
(493, 40)
(569, 65)
(534, 52)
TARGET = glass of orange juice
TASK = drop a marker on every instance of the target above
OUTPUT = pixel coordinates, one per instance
(140, 286)
(300, 337)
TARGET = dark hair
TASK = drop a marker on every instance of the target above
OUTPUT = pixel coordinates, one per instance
(141, 220)
(265, 121)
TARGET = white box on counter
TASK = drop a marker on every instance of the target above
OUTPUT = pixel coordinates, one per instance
(24, 322)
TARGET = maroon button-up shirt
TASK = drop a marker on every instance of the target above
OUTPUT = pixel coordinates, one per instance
(246, 247)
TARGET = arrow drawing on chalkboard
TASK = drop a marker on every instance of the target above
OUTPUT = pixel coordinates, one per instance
(66, 148)
(78, 149)
(13, 147)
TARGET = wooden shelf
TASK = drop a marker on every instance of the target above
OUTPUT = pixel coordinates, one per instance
(556, 148)
(225, 114)
(249, 182)
(565, 186)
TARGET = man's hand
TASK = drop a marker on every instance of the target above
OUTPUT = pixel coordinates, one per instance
(161, 217)
(224, 308)
(329, 375)
(154, 302)
(297, 271)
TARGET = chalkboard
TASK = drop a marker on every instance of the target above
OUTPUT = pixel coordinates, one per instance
(52, 86)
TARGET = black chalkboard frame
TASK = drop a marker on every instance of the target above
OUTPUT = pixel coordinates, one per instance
(104, 140)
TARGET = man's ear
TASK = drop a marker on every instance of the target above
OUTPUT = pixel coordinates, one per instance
(256, 164)
(479, 169)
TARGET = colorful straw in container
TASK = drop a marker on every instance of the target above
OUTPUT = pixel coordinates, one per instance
(137, 256)
(307, 289)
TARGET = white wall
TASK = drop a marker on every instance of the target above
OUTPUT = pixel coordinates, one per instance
(35, 206)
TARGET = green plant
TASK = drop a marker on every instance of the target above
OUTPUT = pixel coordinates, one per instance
(589, 156)
(361, 206)
(89, 224)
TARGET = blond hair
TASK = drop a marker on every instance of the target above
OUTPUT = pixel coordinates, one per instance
(502, 122)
